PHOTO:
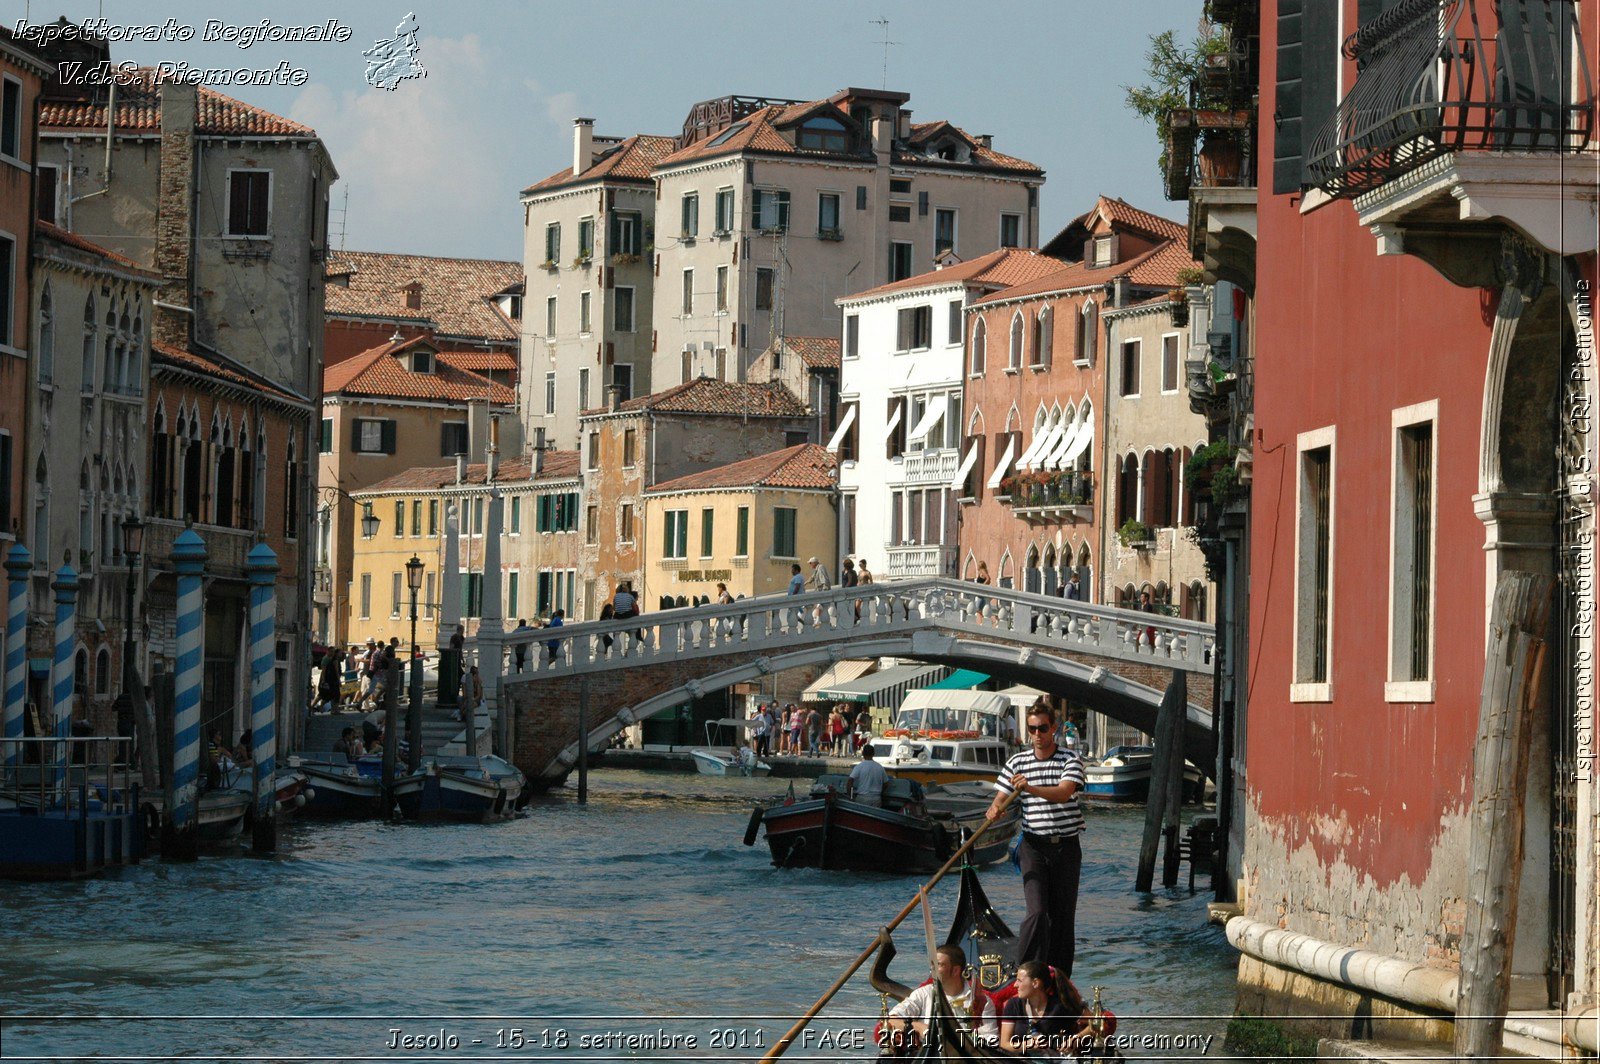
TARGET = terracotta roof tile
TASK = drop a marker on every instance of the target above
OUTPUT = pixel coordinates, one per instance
(707, 395)
(377, 372)
(632, 160)
(807, 465)
(1161, 269)
(558, 465)
(1156, 268)
(455, 293)
(194, 361)
(817, 352)
(997, 269)
(926, 132)
(139, 111)
(73, 240)
(478, 361)
(1125, 213)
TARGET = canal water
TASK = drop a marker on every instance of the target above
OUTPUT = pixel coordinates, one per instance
(636, 927)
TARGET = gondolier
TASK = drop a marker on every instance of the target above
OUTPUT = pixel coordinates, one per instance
(1049, 777)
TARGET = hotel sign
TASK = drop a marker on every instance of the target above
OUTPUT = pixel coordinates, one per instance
(692, 576)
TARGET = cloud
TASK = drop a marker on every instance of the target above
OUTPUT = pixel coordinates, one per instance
(425, 165)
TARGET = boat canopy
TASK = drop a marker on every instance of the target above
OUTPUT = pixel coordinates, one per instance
(945, 710)
(960, 680)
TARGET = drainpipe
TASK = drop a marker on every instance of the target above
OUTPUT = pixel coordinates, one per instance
(1403, 980)
(111, 125)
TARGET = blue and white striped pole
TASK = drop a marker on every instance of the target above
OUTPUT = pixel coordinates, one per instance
(61, 674)
(183, 812)
(262, 568)
(19, 569)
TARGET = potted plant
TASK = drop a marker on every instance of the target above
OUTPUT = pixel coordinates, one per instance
(1177, 80)
(549, 264)
(1135, 533)
(580, 262)
(1008, 487)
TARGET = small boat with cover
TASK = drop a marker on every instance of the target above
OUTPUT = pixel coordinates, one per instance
(740, 760)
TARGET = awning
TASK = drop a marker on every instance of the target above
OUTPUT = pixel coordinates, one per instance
(884, 688)
(930, 417)
(1022, 696)
(894, 419)
(966, 466)
(1081, 443)
(844, 426)
(1001, 466)
(1039, 438)
(960, 680)
(1059, 451)
(841, 672)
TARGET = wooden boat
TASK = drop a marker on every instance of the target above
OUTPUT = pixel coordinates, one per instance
(354, 790)
(913, 830)
(464, 788)
(991, 949)
(946, 736)
(1123, 775)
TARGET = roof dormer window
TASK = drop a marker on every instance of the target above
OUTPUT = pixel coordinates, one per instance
(422, 361)
(1104, 251)
(822, 133)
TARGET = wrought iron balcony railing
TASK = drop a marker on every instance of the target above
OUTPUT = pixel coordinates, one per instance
(1442, 76)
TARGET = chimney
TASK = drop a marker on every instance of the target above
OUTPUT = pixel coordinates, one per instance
(461, 469)
(613, 397)
(175, 213)
(985, 140)
(492, 452)
(904, 132)
(882, 133)
(538, 452)
(582, 145)
(414, 295)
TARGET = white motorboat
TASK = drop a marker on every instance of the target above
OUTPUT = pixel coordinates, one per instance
(941, 736)
(721, 760)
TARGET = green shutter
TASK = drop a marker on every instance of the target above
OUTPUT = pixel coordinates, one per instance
(511, 594)
(327, 435)
(388, 437)
(742, 544)
(706, 523)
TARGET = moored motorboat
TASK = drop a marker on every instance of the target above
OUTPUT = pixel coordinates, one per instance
(1123, 775)
(459, 788)
(941, 736)
(912, 830)
(338, 788)
(739, 759)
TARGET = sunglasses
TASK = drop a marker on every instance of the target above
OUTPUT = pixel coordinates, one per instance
(1041, 727)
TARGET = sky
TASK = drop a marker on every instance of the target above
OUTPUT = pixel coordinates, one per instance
(435, 166)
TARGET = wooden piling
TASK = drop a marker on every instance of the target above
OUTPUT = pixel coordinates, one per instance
(391, 732)
(1169, 723)
(1172, 814)
(1513, 677)
(583, 743)
(414, 717)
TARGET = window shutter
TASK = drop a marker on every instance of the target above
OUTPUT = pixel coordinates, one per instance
(1319, 69)
(1287, 152)
(922, 203)
(355, 434)
(239, 203)
(327, 435)
(861, 197)
(388, 437)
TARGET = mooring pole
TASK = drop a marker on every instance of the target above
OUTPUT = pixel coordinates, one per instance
(189, 558)
(391, 731)
(262, 569)
(19, 570)
(583, 742)
(62, 675)
(1513, 675)
(1172, 826)
(1169, 717)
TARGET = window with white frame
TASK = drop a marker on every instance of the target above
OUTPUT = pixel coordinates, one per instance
(366, 595)
(900, 258)
(552, 244)
(585, 239)
(722, 289)
(1041, 338)
(550, 392)
(249, 202)
(1018, 330)
(724, 210)
(944, 230)
(8, 287)
(979, 334)
(1088, 322)
(1010, 230)
(690, 215)
(585, 313)
(47, 199)
(707, 531)
(852, 336)
(914, 328)
(828, 215)
(769, 210)
(394, 594)
(1411, 551)
(1169, 363)
(953, 331)
(1128, 383)
(583, 388)
(1313, 585)
(675, 535)
(550, 318)
(688, 292)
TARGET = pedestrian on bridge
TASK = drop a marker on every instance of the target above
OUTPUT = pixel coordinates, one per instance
(520, 652)
(1051, 854)
(1073, 591)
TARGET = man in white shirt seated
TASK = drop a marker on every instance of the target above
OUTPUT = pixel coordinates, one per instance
(867, 778)
(949, 968)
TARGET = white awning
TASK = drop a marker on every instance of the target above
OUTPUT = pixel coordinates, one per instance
(884, 688)
(894, 419)
(844, 427)
(930, 417)
(1081, 443)
(1002, 465)
(1054, 459)
(1042, 442)
(841, 672)
(966, 466)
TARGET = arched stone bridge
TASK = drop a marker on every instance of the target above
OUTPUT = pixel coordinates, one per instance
(1115, 661)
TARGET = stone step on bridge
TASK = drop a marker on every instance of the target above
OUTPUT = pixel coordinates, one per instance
(1112, 660)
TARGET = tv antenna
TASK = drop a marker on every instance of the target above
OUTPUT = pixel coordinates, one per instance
(883, 20)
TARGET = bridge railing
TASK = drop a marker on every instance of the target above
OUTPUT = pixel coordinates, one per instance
(775, 622)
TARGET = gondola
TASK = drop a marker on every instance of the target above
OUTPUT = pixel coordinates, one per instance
(991, 948)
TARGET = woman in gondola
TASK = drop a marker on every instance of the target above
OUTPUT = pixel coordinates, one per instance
(1034, 1023)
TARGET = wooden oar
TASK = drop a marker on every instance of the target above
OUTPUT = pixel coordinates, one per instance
(782, 1045)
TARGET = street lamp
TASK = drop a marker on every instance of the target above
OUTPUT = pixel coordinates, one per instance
(414, 569)
(369, 521)
(132, 547)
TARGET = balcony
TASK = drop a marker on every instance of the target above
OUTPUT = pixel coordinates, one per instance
(1462, 118)
(935, 559)
(930, 467)
(1050, 497)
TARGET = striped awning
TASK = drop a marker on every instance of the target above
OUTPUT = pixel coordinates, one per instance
(840, 672)
(884, 688)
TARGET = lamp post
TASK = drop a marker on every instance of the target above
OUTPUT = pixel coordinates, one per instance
(414, 569)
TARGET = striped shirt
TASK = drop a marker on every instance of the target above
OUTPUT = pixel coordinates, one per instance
(1040, 816)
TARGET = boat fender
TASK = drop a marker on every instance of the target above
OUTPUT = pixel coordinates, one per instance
(753, 828)
(306, 795)
(300, 799)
